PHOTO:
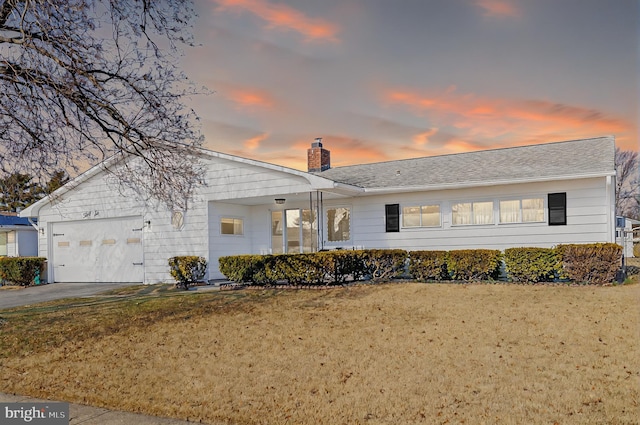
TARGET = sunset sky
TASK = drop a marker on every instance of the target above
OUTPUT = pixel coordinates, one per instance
(381, 80)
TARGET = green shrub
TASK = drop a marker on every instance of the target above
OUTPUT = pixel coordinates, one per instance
(381, 264)
(595, 263)
(342, 265)
(296, 269)
(187, 269)
(428, 265)
(21, 270)
(474, 264)
(530, 265)
(254, 269)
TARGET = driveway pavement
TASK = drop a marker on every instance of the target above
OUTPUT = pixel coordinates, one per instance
(10, 297)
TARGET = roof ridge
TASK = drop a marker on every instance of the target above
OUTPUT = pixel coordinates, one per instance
(458, 154)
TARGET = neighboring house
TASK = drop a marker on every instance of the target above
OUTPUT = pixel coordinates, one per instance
(627, 234)
(18, 238)
(539, 195)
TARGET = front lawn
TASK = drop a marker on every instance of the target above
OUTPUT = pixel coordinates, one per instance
(366, 354)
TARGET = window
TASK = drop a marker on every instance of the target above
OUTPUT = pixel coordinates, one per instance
(338, 224)
(3, 244)
(557, 209)
(529, 210)
(392, 217)
(231, 226)
(421, 216)
(472, 213)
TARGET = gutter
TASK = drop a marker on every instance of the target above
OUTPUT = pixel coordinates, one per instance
(33, 224)
(397, 189)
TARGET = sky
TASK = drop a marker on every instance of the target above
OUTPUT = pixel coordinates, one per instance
(380, 80)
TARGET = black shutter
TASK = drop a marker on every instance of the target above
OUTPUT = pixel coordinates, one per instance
(392, 217)
(557, 209)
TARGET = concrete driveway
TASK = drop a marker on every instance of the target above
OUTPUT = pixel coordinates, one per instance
(10, 297)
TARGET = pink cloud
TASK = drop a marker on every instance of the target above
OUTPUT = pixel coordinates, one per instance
(498, 8)
(248, 98)
(422, 139)
(483, 118)
(283, 17)
(254, 142)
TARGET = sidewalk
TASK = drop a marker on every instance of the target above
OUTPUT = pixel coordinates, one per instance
(87, 415)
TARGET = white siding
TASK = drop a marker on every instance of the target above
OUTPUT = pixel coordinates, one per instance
(227, 180)
(26, 243)
(242, 190)
(588, 218)
(97, 198)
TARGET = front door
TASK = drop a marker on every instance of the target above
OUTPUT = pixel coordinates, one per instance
(293, 231)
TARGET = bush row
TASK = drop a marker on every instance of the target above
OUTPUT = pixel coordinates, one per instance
(585, 263)
(23, 271)
(318, 268)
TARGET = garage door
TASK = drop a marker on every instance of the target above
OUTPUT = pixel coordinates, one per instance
(107, 250)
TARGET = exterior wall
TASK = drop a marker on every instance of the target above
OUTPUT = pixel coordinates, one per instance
(97, 199)
(228, 181)
(588, 218)
(26, 243)
(257, 231)
(22, 242)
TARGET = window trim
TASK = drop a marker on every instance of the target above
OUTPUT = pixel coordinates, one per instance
(520, 199)
(234, 218)
(477, 201)
(422, 226)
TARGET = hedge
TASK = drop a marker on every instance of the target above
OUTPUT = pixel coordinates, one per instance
(318, 268)
(589, 263)
(380, 264)
(595, 263)
(21, 270)
(531, 265)
(474, 264)
(428, 265)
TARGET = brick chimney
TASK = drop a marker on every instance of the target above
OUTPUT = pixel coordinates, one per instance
(318, 159)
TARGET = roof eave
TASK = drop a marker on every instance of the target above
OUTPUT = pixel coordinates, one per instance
(449, 186)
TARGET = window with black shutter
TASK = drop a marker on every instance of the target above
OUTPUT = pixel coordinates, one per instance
(392, 217)
(557, 209)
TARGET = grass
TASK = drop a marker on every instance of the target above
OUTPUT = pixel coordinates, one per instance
(370, 354)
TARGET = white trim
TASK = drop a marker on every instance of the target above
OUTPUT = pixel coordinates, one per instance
(421, 226)
(448, 186)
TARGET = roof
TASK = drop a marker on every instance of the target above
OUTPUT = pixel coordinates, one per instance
(550, 161)
(317, 182)
(12, 220)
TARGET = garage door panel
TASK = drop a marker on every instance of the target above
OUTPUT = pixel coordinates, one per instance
(106, 250)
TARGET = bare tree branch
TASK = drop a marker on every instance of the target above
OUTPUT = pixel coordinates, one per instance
(84, 80)
(627, 184)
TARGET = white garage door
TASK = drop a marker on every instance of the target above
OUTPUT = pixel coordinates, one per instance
(107, 250)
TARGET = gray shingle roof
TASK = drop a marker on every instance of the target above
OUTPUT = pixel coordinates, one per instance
(574, 158)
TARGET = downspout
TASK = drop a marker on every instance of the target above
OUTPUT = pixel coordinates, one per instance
(611, 217)
(34, 225)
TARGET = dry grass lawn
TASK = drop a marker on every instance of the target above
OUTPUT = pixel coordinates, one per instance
(386, 354)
